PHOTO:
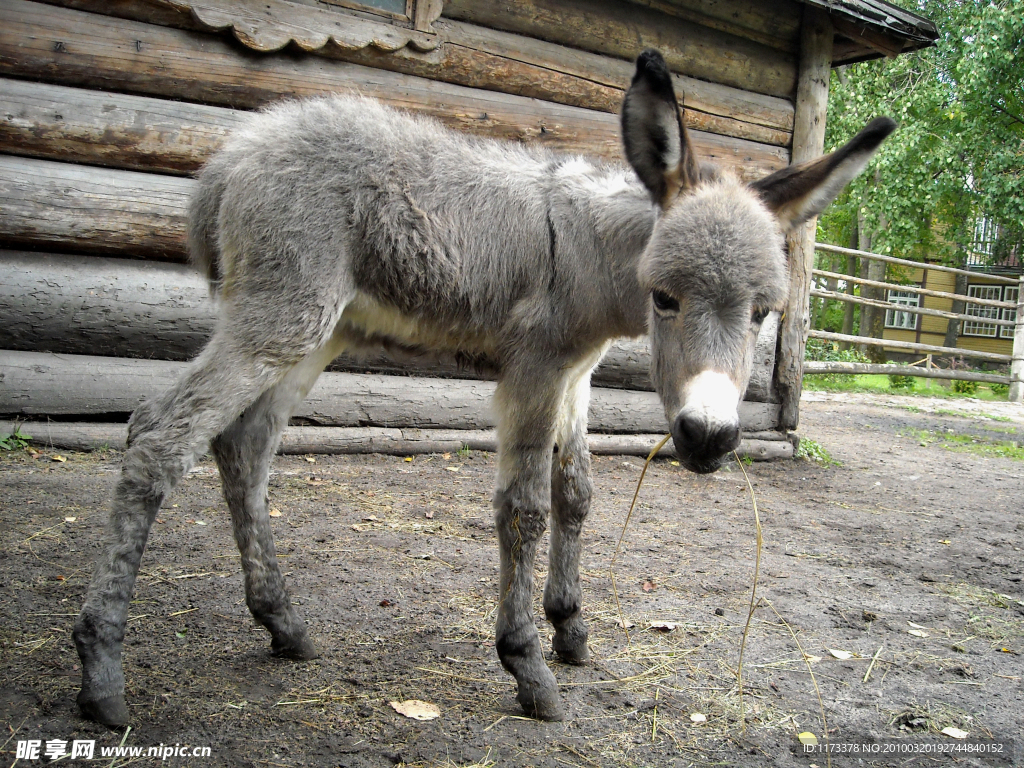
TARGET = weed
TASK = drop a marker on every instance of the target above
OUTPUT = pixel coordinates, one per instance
(16, 440)
(815, 452)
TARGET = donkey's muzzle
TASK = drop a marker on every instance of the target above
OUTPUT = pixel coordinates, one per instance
(701, 444)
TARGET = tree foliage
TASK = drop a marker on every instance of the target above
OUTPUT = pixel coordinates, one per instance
(959, 152)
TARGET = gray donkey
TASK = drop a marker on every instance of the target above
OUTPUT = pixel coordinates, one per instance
(338, 223)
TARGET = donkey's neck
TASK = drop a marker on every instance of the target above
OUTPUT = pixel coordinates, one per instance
(619, 212)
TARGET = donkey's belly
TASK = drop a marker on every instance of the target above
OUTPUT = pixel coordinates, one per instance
(368, 323)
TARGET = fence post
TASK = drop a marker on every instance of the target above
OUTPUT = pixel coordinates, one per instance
(1017, 362)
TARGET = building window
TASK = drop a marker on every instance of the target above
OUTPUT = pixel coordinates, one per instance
(396, 9)
(1010, 293)
(980, 327)
(906, 321)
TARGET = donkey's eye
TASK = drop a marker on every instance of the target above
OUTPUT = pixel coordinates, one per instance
(664, 303)
(759, 316)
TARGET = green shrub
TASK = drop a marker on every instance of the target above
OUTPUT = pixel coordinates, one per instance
(897, 381)
(965, 387)
(1002, 390)
(829, 351)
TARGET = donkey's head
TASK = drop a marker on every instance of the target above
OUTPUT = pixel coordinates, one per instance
(715, 265)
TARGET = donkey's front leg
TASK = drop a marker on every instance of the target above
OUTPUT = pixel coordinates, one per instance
(571, 489)
(522, 504)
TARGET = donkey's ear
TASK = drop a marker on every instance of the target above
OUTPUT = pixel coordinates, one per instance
(653, 133)
(802, 191)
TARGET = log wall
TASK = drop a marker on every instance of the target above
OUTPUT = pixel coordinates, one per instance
(107, 107)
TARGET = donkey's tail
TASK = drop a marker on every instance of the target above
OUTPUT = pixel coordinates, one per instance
(203, 213)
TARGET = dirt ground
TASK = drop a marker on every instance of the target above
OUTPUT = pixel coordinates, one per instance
(904, 558)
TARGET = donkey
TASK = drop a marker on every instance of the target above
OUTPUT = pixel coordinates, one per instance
(338, 223)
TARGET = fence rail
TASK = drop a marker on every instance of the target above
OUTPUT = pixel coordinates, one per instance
(1015, 359)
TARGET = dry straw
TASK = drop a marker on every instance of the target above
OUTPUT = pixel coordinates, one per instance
(754, 601)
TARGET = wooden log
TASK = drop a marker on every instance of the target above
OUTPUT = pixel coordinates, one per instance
(143, 133)
(37, 383)
(479, 57)
(612, 28)
(92, 305)
(775, 24)
(910, 346)
(68, 47)
(101, 306)
(819, 367)
(87, 436)
(66, 207)
(808, 143)
(886, 305)
(110, 129)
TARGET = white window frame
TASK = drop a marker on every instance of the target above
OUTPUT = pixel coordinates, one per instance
(1010, 293)
(979, 328)
(902, 321)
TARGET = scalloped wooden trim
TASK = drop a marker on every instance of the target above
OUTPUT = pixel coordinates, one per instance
(270, 25)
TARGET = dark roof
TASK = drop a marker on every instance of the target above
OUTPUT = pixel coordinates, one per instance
(869, 29)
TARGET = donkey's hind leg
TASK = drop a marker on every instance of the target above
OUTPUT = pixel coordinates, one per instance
(244, 452)
(166, 435)
(571, 490)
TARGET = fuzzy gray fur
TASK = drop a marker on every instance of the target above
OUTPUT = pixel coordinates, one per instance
(337, 223)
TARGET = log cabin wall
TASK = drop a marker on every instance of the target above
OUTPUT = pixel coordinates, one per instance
(109, 107)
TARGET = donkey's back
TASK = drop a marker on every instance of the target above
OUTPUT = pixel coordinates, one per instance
(345, 195)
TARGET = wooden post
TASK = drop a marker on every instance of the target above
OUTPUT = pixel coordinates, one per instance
(808, 143)
(1017, 363)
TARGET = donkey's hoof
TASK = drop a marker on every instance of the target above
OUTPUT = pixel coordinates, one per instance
(541, 703)
(110, 710)
(298, 649)
(570, 645)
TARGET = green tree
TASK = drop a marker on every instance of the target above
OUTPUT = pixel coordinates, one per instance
(959, 152)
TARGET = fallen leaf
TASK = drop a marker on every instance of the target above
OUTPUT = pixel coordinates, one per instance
(624, 624)
(200, 522)
(416, 709)
(408, 458)
(453, 469)
(956, 733)
(843, 655)
(675, 463)
(70, 519)
(311, 459)
(649, 586)
(370, 519)
(61, 578)
(917, 633)
(811, 659)
(33, 454)
(697, 717)
(446, 456)
(274, 513)
(58, 457)
(385, 603)
(429, 515)
(807, 738)
(663, 626)
(916, 626)
(944, 541)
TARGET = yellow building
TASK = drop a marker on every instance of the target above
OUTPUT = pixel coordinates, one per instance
(979, 335)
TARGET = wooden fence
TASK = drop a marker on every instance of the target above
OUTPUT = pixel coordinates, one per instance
(1015, 360)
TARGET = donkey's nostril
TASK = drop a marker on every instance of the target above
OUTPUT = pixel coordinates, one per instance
(690, 430)
(696, 437)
